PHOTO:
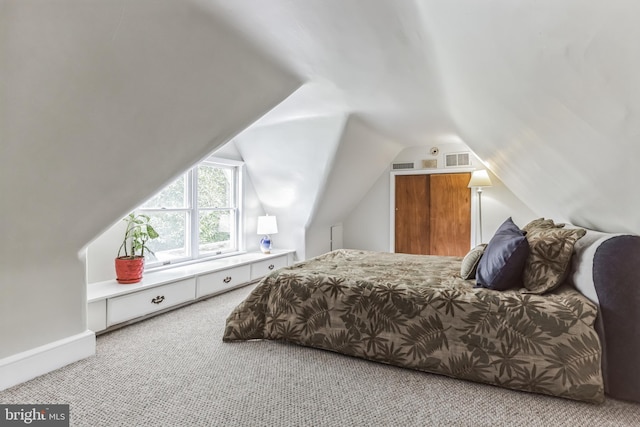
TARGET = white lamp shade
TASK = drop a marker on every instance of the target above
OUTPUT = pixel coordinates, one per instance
(479, 178)
(267, 225)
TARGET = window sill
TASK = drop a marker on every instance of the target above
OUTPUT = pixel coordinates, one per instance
(156, 277)
(162, 267)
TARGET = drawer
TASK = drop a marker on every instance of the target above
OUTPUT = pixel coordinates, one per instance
(262, 268)
(126, 307)
(222, 280)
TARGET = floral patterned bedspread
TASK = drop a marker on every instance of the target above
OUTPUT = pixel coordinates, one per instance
(415, 311)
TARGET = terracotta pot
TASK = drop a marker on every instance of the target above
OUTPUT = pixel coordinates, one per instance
(129, 270)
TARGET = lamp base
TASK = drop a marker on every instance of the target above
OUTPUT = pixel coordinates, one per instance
(265, 245)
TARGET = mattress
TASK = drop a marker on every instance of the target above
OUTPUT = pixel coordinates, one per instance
(415, 311)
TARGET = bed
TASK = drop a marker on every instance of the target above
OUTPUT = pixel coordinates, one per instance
(420, 312)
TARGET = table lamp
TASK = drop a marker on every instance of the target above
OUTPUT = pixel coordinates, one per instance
(266, 225)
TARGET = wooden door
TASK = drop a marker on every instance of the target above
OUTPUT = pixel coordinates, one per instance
(412, 214)
(450, 214)
(433, 214)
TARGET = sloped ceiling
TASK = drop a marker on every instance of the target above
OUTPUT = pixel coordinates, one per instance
(545, 93)
(101, 103)
(289, 164)
(374, 56)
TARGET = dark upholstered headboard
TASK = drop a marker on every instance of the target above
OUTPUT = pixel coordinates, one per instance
(606, 269)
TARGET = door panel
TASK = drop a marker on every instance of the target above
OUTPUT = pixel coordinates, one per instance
(450, 214)
(412, 214)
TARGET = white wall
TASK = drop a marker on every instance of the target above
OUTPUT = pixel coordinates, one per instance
(363, 153)
(102, 104)
(368, 224)
(320, 167)
(498, 204)
(102, 251)
(289, 163)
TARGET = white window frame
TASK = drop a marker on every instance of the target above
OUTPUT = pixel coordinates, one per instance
(192, 214)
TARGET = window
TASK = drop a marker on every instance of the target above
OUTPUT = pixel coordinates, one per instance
(197, 215)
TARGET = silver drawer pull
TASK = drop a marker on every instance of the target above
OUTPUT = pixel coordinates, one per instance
(158, 299)
(227, 279)
(271, 267)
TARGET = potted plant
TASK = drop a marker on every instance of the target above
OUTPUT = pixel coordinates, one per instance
(129, 267)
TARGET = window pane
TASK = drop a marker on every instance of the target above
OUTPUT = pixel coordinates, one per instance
(217, 231)
(171, 196)
(215, 187)
(172, 243)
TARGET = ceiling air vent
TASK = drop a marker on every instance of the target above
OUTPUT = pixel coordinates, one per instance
(430, 164)
(397, 166)
(453, 160)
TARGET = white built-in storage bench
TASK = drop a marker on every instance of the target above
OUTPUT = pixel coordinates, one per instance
(111, 305)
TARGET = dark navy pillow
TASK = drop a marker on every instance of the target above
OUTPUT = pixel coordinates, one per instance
(501, 266)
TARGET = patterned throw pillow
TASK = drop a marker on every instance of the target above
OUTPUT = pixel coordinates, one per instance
(470, 262)
(549, 259)
(541, 223)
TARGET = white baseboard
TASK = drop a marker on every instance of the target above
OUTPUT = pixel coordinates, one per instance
(29, 364)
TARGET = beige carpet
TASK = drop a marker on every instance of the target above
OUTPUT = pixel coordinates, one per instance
(174, 370)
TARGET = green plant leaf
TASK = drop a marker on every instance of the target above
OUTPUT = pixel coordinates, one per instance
(138, 232)
(153, 234)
